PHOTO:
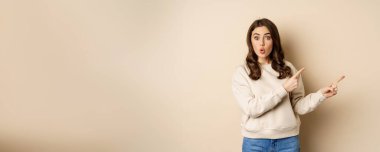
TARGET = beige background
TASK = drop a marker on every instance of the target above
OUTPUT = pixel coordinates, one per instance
(139, 76)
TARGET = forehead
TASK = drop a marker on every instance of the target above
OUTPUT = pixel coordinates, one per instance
(261, 30)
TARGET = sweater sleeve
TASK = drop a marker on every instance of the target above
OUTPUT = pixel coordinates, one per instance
(250, 104)
(304, 104)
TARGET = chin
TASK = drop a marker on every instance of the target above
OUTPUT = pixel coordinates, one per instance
(262, 56)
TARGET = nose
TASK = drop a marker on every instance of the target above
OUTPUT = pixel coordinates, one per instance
(262, 43)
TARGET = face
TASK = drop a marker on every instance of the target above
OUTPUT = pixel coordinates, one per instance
(262, 43)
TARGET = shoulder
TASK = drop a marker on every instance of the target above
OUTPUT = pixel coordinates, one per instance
(240, 69)
(288, 63)
(292, 67)
(240, 72)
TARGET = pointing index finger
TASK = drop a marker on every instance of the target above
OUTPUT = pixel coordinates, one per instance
(298, 73)
(340, 79)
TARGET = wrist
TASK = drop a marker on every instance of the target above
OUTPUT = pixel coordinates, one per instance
(321, 94)
(283, 86)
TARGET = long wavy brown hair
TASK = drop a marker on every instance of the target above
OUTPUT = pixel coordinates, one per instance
(276, 56)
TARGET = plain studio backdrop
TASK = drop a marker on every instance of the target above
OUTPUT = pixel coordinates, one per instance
(140, 76)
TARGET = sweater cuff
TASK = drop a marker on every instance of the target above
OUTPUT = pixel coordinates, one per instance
(321, 96)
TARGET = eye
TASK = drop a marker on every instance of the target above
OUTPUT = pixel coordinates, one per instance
(268, 37)
(256, 38)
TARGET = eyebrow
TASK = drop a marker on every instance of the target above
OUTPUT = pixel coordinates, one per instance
(259, 34)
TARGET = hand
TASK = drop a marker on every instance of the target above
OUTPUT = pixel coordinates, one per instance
(292, 83)
(331, 90)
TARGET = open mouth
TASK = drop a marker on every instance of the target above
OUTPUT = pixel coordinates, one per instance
(262, 51)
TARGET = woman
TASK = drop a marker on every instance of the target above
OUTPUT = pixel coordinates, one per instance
(270, 93)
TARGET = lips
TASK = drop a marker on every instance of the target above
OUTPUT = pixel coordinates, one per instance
(262, 51)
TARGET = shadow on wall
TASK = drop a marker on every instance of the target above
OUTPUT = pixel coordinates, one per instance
(320, 120)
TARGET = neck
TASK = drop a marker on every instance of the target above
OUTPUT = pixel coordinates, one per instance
(264, 61)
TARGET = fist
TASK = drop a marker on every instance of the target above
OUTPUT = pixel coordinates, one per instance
(331, 90)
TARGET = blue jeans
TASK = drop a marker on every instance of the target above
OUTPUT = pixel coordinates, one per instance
(289, 144)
